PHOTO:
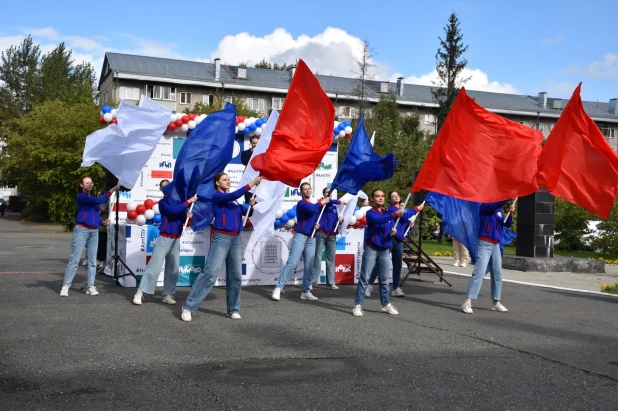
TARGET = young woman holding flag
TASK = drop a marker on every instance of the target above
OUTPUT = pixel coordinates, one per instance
(326, 237)
(224, 249)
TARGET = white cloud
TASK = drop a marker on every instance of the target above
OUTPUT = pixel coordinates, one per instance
(553, 40)
(44, 32)
(606, 68)
(479, 81)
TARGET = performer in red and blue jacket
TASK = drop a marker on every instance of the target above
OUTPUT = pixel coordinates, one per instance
(225, 250)
(488, 254)
(166, 249)
(378, 240)
(326, 237)
(85, 234)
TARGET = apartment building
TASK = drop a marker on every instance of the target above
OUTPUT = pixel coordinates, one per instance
(178, 84)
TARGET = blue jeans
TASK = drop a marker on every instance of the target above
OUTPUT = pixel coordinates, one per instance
(487, 254)
(373, 257)
(83, 237)
(397, 259)
(224, 249)
(330, 242)
(301, 245)
(168, 250)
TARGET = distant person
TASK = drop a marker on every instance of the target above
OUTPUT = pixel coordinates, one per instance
(460, 253)
(2, 207)
(86, 234)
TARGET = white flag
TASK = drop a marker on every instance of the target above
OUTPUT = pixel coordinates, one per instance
(268, 194)
(124, 148)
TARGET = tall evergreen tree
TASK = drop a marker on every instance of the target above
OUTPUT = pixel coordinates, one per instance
(364, 65)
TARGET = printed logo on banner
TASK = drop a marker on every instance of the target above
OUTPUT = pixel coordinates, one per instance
(341, 244)
(333, 148)
(292, 192)
(190, 266)
(125, 194)
(165, 164)
(128, 231)
(151, 238)
(177, 145)
(239, 143)
(344, 268)
(244, 269)
(325, 166)
(267, 255)
(161, 174)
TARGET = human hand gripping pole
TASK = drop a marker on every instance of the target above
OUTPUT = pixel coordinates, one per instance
(192, 200)
(255, 182)
(509, 213)
(404, 206)
(324, 201)
(412, 220)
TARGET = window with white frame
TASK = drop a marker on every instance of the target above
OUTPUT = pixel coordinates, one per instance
(227, 99)
(347, 111)
(540, 127)
(608, 132)
(278, 103)
(256, 104)
(430, 119)
(208, 99)
(185, 98)
(163, 93)
(129, 93)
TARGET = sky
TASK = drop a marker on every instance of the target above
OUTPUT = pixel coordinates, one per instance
(517, 47)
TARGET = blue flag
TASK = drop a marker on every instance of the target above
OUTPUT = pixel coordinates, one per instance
(206, 152)
(361, 165)
(461, 220)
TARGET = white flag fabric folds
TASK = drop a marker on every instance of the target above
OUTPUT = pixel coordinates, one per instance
(347, 210)
(124, 148)
(268, 194)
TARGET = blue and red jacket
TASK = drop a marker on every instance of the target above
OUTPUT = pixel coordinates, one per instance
(492, 219)
(403, 224)
(172, 218)
(228, 212)
(380, 222)
(329, 219)
(89, 210)
(307, 214)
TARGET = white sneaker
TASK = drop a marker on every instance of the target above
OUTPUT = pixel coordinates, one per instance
(333, 287)
(398, 292)
(497, 306)
(168, 299)
(311, 287)
(276, 294)
(456, 264)
(466, 308)
(368, 291)
(390, 309)
(357, 311)
(64, 292)
(464, 264)
(235, 316)
(308, 296)
(92, 291)
(186, 315)
(137, 298)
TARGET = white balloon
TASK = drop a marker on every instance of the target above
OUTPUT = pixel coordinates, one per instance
(258, 131)
(191, 124)
(251, 120)
(342, 133)
(295, 220)
(203, 116)
(107, 117)
(132, 205)
(358, 214)
(149, 214)
(241, 126)
(348, 130)
(236, 130)
(290, 224)
(155, 208)
(198, 119)
(140, 220)
(101, 113)
(251, 134)
(336, 125)
(336, 138)
(173, 118)
(247, 122)
(184, 128)
(128, 221)
(114, 111)
(352, 220)
(278, 213)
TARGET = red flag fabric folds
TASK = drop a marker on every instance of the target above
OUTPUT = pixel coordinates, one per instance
(303, 133)
(480, 156)
(577, 163)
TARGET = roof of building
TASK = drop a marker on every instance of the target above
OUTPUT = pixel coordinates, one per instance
(345, 86)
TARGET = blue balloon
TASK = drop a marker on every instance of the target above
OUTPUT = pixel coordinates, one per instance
(149, 222)
(252, 127)
(347, 123)
(356, 208)
(291, 213)
(277, 223)
(106, 109)
(284, 219)
(247, 130)
(341, 126)
(259, 122)
(156, 219)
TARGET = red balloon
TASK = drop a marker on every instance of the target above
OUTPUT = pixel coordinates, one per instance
(363, 220)
(184, 119)
(171, 126)
(114, 121)
(141, 209)
(148, 204)
(192, 116)
(237, 120)
(178, 123)
(347, 136)
(356, 224)
(102, 120)
(132, 215)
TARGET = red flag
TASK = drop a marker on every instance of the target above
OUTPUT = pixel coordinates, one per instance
(303, 133)
(577, 163)
(481, 156)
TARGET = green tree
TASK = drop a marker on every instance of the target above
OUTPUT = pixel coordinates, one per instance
(62, 80)
(364, 66)
(607, 241)
(241, 107)
(263, 64)
(569, 225)
(449, 65)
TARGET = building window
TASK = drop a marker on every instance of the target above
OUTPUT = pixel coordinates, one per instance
(539, 126)
(185, 98)
(227, 99)
(384, 88)
(430, 119)
(256, 104)
(208, 99)
(278, 103)
(608, 132)
(163, 93)
(129, 93)
(347, 111)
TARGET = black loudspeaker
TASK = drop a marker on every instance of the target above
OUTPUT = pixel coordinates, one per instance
(419, 196)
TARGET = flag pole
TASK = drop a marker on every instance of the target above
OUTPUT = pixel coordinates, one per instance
(336, 226)
(319, 218)
(187, 220)
(411, 221)
(509, 213)
(244, 222)
(404, 206)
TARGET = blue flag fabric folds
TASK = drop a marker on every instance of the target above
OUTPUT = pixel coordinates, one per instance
(206, 152)
(361, 165)
(461, 220)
